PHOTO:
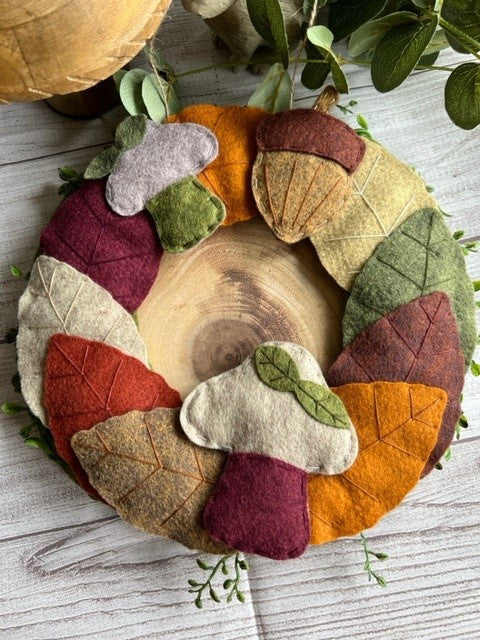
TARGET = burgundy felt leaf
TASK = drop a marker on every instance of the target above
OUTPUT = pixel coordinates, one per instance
(120, 254)
(418, 342)
(87, 382)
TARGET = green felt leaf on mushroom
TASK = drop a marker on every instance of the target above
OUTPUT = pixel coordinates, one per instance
(322, 404)
(131, 132)
(274, 93)
(103, 163)
(276, 368)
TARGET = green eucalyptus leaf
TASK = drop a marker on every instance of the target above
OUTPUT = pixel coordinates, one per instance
(399, 51)
(314, 74)
(276, 368)
(428, 59)
(117, 77)
(347, 16)
(159, 98)
(322, 404)
(322, 39)
(103, 163)
(366, 37)
(465, 16)
(131, 91)
(275, 91)
(462, 95)
(267, 18)
(437, 43)
(131, 132)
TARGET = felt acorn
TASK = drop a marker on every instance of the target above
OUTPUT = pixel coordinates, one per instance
(153, 166)
(278, 419)
(301, 177)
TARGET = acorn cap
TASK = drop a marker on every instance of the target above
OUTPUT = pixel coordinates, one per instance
(314, 132)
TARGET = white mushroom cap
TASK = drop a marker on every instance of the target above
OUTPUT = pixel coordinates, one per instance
(236, 411)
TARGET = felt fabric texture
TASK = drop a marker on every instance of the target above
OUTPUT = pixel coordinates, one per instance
(260, 506)
(87, 382)
(228, 176)
(142, 464)
(60, 299)
(420, 257)
(418, 342)
(88, 235)
(167, 154)
(386, 191)
(398, 424)
(236, 411)
(313, 132)
(185, 213)
(298, 194)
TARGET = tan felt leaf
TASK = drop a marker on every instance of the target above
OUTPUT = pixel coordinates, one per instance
(298, 193)
(386, 192)
(60, 299)
(144, 466)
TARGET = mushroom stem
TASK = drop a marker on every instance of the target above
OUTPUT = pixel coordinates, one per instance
(326, 100)
(260, 506)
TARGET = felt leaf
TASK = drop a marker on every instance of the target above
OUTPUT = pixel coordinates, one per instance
(267, 18)
(345, 17)
(144, 466)
(59, 299)
(399, 51)
(87, 382)
(322, 39)
(131, 92)
(131, 131)
(236, 411)
(276, 368)
(462, 95)
(228, 175)
(366, 37)
(420, 257)
(167, 154)
(185, 213)
(398, 425)
(322, 404)
(102, 164)
(88, 235)
(275, 91)
(386, 191)
(418, 342)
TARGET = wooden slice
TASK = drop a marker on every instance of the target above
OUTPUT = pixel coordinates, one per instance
(210, 307)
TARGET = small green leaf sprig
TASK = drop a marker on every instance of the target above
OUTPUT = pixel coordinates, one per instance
(231, 585)
(367, 565)
(72, 180)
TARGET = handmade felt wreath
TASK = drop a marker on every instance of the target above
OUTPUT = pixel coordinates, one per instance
(257, 435)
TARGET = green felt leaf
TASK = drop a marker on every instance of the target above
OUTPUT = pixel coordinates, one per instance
(347, 16)
(465, 16)
(276, 368)
(462, 95)
(159, 98)
(366, 37)
(419, 257)
(103, 163)
(314, 74)
(322, 39)
(130, 132)
(185, 213)
(322, 404)
(399, 51)
(131, 92)
(274, 93)
(267, 18)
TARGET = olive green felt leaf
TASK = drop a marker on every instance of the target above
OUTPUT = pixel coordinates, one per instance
(185, 213)
(420, 257)
(345, 17)
(267, 18)
(462, 95)
(277, 369)
(131, 131)
(399, 51)
(103, 163)
(274, 93)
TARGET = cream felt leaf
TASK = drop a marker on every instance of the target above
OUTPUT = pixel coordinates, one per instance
(235, 411)
(59, 299)
(398, 425)
(144, 466)
(386, 192)
(420, 257)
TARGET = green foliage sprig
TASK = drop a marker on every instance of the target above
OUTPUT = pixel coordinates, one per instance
(367, 565)
(231, 584)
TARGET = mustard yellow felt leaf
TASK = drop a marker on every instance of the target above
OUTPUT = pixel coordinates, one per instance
(397, 426)
(386, 192)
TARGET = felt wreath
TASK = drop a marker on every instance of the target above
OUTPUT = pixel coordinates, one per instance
(259, 436)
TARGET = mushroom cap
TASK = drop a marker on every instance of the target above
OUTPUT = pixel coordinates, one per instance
(314, 132)
(236, 411)
(168, 153)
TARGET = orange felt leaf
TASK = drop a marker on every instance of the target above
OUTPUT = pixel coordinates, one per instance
(229, 175)
(397, 426)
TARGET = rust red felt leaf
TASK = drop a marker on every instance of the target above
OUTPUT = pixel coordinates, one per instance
(87, 382)
(120, 254)
(418, 342)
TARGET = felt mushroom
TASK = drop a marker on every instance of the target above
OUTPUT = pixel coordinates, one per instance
(301, 177)
(153, 166)
(278, 419)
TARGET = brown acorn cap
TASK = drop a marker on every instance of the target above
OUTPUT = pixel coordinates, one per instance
(314, 132)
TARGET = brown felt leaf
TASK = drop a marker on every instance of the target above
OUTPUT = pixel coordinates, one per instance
(397, 426)
(386, 191)
(144, 466)
(418, 342)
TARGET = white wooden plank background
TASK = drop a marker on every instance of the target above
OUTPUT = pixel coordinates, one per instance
(70, 569)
